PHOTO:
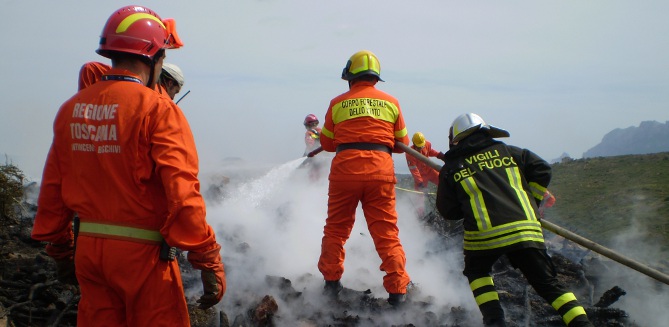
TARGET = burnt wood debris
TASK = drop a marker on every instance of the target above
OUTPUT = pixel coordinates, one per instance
(30, 295)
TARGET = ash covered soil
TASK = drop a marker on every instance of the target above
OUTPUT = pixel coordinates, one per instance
(30, 295)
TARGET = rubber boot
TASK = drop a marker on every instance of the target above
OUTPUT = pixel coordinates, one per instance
(396, 299)
(495, 323)
(581, 322)
(332, 288)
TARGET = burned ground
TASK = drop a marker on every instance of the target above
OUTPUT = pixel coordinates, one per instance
(30, 295)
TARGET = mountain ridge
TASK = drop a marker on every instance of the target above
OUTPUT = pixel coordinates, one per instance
(648, 137)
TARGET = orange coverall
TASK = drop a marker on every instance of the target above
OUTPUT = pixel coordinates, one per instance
(421, 172)
(91, 72)
(312, 139)
(363, 114)
(124, 155)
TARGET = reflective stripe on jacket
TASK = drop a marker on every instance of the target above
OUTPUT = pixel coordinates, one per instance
(124, 155)
(496, 188)
(364, 114)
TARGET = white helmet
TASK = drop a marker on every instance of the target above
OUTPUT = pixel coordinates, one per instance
(469, 123)
(175, 72)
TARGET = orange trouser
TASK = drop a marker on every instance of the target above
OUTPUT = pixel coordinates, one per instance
(378, 205)
(430, 175)
(125, 284)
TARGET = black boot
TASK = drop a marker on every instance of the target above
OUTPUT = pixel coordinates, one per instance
(581, 322)
(495, 323)
(396, 299)
(332, 288)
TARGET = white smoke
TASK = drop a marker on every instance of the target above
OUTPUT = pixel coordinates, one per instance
(270, 222)
(273, 225)
(646, 300)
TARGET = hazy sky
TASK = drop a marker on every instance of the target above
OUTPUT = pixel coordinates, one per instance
(558, 75)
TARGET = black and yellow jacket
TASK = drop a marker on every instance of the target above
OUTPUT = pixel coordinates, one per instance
(496, 189)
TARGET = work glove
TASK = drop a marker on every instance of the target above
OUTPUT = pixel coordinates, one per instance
(63, 254)
(213, 285)
(547, 202)
(420, 187)
(212, 275)
(315, 152)
(66, 272)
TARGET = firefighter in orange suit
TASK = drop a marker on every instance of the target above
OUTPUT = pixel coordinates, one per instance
(362, 126)
(312, 143)
(170, 82)
(312, 135)
(422, 173)
(123, 160)
(496, 189)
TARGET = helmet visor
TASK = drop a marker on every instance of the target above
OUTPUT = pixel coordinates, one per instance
(173, 40)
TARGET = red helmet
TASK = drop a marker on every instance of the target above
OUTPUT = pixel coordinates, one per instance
(311, 118)
(137, 30)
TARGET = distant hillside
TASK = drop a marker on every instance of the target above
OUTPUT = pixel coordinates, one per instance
(649, 137)
(621, 202)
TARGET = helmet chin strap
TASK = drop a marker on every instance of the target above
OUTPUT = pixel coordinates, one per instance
(152, 70)
(151, 82)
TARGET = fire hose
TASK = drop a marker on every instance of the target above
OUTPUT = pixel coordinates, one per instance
(644, 269)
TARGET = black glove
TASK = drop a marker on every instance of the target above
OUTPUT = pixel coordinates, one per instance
(63, 255)
(65, 272)
(315, 152)
(212, 289)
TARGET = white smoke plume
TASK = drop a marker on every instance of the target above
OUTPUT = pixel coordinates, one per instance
(272, 224)
(646, 300)
(269, 221)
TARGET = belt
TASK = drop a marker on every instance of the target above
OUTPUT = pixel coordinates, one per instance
(364, 146)
(133, 234)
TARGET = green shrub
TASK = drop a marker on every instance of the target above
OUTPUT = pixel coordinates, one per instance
(11, 192)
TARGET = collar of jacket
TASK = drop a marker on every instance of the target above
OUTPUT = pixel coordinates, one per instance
(361, 83)
(122, 72)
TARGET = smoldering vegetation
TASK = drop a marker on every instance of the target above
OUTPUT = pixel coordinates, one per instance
(269, 221)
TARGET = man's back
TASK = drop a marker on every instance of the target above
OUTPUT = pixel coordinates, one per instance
(111, 139)
(363, 115)
(489, 185)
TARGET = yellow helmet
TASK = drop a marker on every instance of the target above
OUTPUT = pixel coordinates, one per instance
(363, 62)
(418, 139)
